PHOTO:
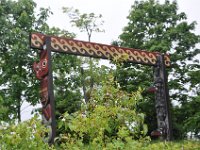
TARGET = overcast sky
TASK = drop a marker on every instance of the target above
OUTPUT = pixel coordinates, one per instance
(114, 14)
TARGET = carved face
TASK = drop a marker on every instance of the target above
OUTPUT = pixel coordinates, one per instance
(41, 68)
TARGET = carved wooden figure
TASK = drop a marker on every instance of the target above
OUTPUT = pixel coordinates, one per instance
(41, 71)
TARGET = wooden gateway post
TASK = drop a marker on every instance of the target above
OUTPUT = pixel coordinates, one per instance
(43, 69)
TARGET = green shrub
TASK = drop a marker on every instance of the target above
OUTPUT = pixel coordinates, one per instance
(23, 136)
(178, 145)
(108, 120)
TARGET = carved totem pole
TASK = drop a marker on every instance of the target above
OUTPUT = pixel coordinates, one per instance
(162, 100)
(43, 73)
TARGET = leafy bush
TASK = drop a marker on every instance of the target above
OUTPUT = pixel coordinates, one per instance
(108, 120)
(23, 136)
(178, 145)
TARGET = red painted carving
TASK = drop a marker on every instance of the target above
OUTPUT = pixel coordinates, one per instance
(41, 68)
(41, 71)
(97, 50)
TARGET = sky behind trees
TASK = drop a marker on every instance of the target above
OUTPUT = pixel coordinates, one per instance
(114, 14)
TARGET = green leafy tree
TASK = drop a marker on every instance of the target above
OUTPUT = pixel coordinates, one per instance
(66, 83)
(159, 27)
(88, 23)
(17, 82)
(191, 122)
(3, 110)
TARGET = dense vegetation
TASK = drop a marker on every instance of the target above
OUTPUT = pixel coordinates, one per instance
(115, 115)
(108, 121)
(159, 27)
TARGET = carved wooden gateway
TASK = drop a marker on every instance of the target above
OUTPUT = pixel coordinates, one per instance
(43, 69)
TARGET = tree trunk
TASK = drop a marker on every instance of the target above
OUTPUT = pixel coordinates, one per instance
(19, 108)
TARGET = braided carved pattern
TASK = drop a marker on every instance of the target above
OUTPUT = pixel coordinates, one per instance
(90, 49)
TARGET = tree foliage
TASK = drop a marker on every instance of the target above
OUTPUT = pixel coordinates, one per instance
(88, 23)
(159, 27)
(152, 26)
(17, 82)
(109, 119)
(101, 124)
(26, 135)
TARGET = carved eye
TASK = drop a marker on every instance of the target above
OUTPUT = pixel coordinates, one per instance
(44, 63)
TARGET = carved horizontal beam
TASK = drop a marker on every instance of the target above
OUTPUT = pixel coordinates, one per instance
(90, 49)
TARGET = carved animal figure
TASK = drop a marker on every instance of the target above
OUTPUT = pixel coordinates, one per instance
(41, 68)
(41, 71)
